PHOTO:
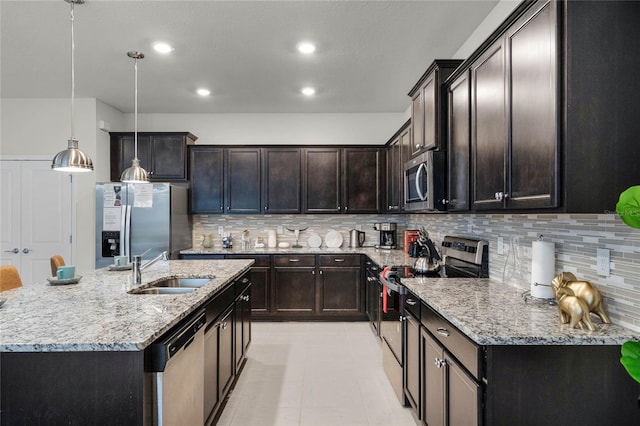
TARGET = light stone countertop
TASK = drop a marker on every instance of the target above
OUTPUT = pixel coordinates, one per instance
(488, 312)
(97, 314)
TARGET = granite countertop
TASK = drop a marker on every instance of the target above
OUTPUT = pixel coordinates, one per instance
(97, 314)
(492, 313)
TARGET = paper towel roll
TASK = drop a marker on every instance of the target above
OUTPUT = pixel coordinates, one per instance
(542, 269)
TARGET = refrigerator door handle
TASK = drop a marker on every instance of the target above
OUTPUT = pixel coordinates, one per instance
(125, 230)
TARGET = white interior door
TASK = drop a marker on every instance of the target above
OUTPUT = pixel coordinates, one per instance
(41, 226)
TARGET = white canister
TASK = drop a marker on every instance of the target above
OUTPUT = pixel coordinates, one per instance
(272, 240)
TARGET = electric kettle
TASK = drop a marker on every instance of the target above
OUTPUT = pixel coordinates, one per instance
(356, 238)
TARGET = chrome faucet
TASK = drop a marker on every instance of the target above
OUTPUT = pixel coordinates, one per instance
(138, 267)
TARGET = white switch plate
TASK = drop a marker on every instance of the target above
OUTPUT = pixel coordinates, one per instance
(220, 230)
(603, 261)
(500, 245)
(280, 230)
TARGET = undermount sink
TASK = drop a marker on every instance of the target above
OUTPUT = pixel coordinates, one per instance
(172, 286)
(181, 282)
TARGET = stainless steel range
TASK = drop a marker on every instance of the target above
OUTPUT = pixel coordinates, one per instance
(462, 257)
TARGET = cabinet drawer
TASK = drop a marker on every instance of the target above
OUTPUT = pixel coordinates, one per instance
(339, 260)
(293, 260)
(454, 341)
(412, 304)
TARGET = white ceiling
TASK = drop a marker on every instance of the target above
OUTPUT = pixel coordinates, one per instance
(370, 53)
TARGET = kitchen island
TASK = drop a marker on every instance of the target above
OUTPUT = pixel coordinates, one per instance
(76, 354)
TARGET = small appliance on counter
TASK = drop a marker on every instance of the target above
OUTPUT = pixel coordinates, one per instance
(428, 258)
(387, 234)
(410, 236)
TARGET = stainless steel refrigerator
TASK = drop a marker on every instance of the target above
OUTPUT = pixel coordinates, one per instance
(141, 219)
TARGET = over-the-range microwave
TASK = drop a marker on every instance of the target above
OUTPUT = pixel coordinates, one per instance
(424, 182)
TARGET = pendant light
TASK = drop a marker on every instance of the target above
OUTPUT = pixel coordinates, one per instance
(72, 159)
(135, 173)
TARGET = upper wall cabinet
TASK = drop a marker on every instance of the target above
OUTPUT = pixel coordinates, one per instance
(252, 180)
(281, 180)
(551, 109)
(395, 157)
(514, 112)
(428, 107)
(163, 154)
(459, 143)
(342, 180)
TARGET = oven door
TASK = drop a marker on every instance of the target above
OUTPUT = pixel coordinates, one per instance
(391, 317)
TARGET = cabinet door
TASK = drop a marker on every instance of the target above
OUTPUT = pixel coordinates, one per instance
(417, 122)
(206, 176)
(459, 144)
(394, 187)
(362, 180)
(168, 157)
(242, 326)
(211, 397)
(242, 180)
(533, 163)
(464, 396)
(295, 290)
(260, 290)
(123, 152)
(226, 364)
(430, 98)
(340, 290)
(433, 381)
(412, 361)
(321, 180)
(488, 128)
(281, 188)
(405, 153)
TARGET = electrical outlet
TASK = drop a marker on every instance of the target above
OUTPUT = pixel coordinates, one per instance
(220, 230)
(603, 261)
(280, 230)
(500, 245)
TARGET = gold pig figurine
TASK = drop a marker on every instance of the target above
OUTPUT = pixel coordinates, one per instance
(582, 290)
(573, 310)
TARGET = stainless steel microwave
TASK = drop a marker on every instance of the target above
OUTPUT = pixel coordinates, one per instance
(424, 182)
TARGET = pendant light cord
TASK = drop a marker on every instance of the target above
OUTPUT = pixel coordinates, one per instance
(135, 111)
(73, 84)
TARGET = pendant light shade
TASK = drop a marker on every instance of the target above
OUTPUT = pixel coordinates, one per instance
(72, 159)
(135, 173)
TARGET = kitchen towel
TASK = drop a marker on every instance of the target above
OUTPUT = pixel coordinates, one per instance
(542, 269)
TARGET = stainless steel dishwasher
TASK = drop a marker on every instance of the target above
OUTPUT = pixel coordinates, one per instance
(175, 379)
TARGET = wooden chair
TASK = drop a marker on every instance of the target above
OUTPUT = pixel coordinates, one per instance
(56, 261)
(9, 278)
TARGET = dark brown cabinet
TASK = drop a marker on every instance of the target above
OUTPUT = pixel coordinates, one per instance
(321, 180)
(242, 180)
(340, 285)
(459, 144)
(451, 396)
(362, 180)
(281, 180)
(206, 176)
(163, 154)
(428, 107)
(514, 104)
(411, 352)
(242, 321)
(342, 180)
(294, 284)
(394, 156)
(489, 131)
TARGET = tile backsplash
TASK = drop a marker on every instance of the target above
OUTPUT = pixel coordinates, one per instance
(576, 238)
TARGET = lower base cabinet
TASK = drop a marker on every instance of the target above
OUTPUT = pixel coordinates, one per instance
(290, 287)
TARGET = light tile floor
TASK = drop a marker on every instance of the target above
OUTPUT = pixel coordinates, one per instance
(306, 373)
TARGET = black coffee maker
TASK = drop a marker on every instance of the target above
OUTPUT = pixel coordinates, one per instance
(387, 234)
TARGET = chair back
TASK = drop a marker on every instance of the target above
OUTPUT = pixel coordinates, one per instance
(56, 261)
(9, 278)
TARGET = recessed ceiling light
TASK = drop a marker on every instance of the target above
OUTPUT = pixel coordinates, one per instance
(306, 48)
(162, 47)
(308, 91)
(203, 92)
